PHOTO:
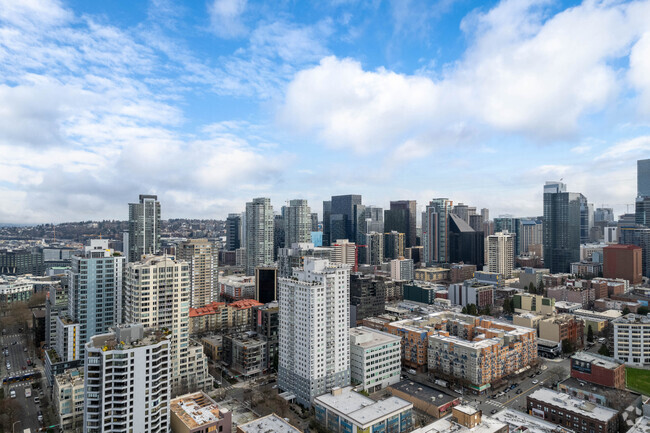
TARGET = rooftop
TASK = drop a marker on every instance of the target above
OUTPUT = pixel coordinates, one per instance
(110, 341)
(642, 425)
(424, 392)
(607, 314)
(487, 425)
(516, 419)
(245, 303)
(361, 410)
(74, 376)
(211, 308)
(367, 337)
(196, 410)
(268, 424)
(632, 319)
(573, 404)
(599, 360)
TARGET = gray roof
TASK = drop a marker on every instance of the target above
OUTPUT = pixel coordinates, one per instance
(425, 393)
(573, 404)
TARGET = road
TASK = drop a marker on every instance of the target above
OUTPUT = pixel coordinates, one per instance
(18, 358)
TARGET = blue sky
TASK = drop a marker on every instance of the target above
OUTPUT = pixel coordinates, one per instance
(209, 104)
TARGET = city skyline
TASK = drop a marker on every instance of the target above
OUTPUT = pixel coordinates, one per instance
(210, 104)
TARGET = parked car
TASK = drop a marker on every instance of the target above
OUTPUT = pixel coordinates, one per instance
(535, 382)
(12, 393)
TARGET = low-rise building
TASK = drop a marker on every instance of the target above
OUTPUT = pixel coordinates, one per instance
(460, 272)
(614, 398)
(571, 412)
(431, 401)
(15, 289)
(68, 399)
(236, 287)
(343, 410)
(549, 349)
(524, 302)
(432, 275)
(580, 294)
(631, 334)
(424, 293)
(218, 316)
(465, 419)
(375, 358)
(401, 269)
(586, 268)
(269, 423)
(213, 347)
(198, 413)
(562, 327)
(245, 353)
(598, 369)
(471, 292)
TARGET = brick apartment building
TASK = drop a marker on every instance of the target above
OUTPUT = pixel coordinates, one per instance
(597, 369)
(623, 261)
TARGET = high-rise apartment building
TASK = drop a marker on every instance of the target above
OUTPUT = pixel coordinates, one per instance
(401, 217)
(435, 231)
(344, 217)
(345, 252)
(203, 258)
(512, 225)
(562, 219)
(297, 222)
(374, 248)
(95, 290)
(500, 253)
(394, 245)
(127, 381)
(314, 330)
(233, 231)
(531, 233)
(314, 222)
(259, 234)
(157, 295)
(144, 228)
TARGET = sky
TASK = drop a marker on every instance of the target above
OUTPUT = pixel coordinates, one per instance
(209, 104)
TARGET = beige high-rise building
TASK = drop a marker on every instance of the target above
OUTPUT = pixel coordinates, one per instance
(501, 249)
(344, 252)
(203, 258)
(297, 223)
(157, 295)
(259, 234)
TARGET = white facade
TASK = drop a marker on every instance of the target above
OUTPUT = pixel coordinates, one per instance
(67, 339)
(402, 270)
(156, 293)
(127, 382)
(375, 358)
(68, 399)
(314, 329)
(203, 258)
(501, 253)
(632, 339)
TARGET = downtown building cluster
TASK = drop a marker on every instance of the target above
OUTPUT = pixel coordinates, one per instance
(339, 304)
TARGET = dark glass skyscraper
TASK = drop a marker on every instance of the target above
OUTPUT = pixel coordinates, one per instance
(561, 227)
(233, 231)
(327, 211)
(401, 218)
(643, 178)
(144, 227)
(465, 244)
(343, 217)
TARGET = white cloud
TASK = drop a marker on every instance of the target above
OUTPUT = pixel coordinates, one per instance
(226, 18)
(639, 73)
(523, 73)
(627, 150)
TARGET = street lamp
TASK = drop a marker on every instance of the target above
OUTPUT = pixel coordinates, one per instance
(13, 426)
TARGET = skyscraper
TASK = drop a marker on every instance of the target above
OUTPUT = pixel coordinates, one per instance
(435, 231)
(465, 244)
(314, 330)
(327, 211)
(259, 234)
(394, 245)
(500, 253)
(233, 231)
(203, 258)
(144, 227)
(156, 292)
(561, 227)
(95, 290)
(343, 217)
(401, 217)
(643, 178)
(127, 376)
(375, 248)
(512, 225)
(314, 222)
(297, 223)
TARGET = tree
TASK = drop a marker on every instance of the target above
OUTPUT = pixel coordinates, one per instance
(567, 346)
(487, 311)
(626, 311)
(531, 288)
(540, 287)
(507, 306)
(471, 309)
(604, 350)
(464, 310)
(643, 311)
(590, 334)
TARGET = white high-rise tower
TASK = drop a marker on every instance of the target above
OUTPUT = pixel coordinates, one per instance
(501, 253)
(314, 329)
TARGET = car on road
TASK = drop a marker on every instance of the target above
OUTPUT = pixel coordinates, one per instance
(28, 392)
(519, 391)
(24, 349)
(40, 416)
(535, 382)
(493, 411)
(411, 371)
(37, 400)
(12, 393)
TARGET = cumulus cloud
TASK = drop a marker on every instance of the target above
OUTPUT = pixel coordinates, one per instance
(524, 73)
(226, 18)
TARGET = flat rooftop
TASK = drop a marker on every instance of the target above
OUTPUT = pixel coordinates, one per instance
(633, 319)
(270, 423)
(424, 392)
(367, 337)
(196, 410)
(516, 419)
(573, 404)
(599, 360)
(487, 425)
(642, 425)
(360, 409)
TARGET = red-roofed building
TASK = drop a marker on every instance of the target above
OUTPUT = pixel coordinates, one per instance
(219, 316)
(623, 261)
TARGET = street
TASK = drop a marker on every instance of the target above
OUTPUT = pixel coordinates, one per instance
(17, 357)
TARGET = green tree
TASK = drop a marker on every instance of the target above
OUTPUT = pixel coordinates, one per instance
(464, 310)
(507, 306)
(471, 309)
(626, 311)
(531, 288)
(590, 334)
(567, 347)
(540, 287)
(604, 350)
(643, 311)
